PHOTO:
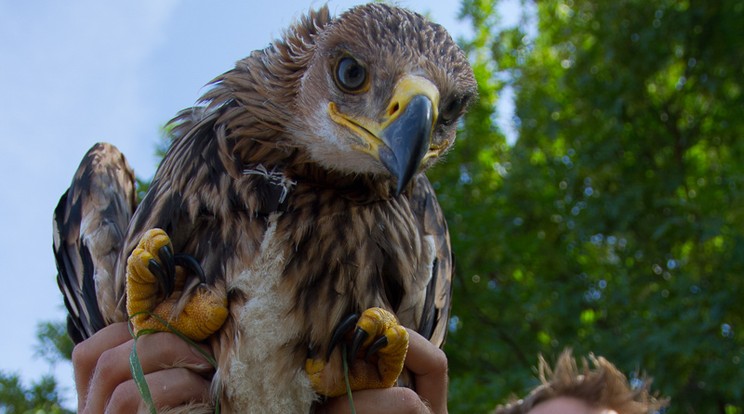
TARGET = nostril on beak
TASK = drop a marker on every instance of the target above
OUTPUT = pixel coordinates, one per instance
(393, 109)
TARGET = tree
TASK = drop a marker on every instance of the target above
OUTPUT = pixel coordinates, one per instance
(41, 396)
(614, 224)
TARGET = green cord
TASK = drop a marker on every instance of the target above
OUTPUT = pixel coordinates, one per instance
(346, 378)
(136, 367)
(138, 375)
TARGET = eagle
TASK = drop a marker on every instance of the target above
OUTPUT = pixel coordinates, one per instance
(290, 218)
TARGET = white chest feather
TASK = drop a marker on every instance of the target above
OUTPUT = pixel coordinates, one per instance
(263, 375)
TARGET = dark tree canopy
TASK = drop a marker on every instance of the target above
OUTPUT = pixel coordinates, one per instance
(615, 223)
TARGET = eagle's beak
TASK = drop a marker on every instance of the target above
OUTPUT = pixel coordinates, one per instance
(407, 140)
(401, 138)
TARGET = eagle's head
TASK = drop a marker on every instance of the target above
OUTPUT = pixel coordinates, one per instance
(382, 93)
(376, 91)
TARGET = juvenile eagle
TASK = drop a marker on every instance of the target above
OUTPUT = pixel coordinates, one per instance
(292, 197)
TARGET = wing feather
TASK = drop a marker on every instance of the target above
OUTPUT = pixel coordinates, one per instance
(89, 226)
(435, 317)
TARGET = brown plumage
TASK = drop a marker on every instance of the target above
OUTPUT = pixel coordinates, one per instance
(297, 216)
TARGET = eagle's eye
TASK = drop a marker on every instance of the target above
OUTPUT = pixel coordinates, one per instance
(453, 110)
(351, 76)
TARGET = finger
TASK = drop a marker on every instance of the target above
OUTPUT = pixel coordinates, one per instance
(155, 351)
(85, 355)
(396, 400)
(169, 388)
(428, 364)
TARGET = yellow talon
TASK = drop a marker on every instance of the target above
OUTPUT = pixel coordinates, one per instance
(327, 377)
(203, 313)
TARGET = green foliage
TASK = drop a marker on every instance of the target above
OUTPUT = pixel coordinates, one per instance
(41, 397)
(53, 343)
(614, 224)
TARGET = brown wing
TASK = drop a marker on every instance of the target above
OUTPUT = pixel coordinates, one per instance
(90, 222)
(435, 318)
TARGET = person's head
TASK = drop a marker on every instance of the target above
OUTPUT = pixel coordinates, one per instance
(597, 389)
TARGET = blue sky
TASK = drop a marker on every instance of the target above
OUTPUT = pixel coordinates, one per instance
(78, 72)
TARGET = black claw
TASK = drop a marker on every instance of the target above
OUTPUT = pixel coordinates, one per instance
(376, 346)
(340, 331)
(189, 262)
(165, 283)
(166, 259)
(360, 335)
(154, 267)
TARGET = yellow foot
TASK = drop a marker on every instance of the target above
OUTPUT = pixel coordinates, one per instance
(377, 353)
(156, 279)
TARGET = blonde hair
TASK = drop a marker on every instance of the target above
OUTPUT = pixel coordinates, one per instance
(601, 386)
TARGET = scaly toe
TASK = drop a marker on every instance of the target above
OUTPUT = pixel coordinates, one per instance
(152, 278)
(376, 332)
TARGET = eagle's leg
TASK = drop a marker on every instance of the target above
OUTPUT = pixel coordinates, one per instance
(156, 279)
(378, 350)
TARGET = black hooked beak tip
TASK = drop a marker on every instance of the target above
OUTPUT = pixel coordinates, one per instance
(407, 140)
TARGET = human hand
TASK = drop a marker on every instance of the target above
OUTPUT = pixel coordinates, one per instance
(104, 382)
(175, 373)
(428, 365)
